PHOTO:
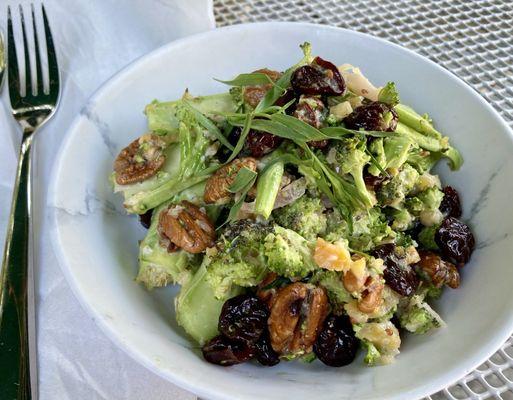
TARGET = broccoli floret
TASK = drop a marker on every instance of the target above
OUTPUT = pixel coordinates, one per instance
(396, 151)
(388, 94)
(425, 205)
(426, 237)
(418, 317)
(372, 355)
(381, 339)
(423, 160)
(431, 198)
(238, 258)
(395, 190)
(288, 253)
(332, 282)
(378, 151)
(304, 216)
(350, 157)
(369, 229)
(402, 220)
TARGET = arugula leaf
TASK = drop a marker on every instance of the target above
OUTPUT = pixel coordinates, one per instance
(254, 78)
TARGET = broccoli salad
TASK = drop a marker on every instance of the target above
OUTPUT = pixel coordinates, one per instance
(299, 213)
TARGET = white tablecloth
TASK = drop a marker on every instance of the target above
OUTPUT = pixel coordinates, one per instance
(94, 38)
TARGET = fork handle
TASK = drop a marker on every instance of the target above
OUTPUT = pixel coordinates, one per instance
(14, 337)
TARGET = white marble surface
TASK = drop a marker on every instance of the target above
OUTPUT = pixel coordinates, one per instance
(94, 38)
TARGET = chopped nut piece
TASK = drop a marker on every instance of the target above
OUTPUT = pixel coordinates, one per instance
(371, 296)
(332, 256)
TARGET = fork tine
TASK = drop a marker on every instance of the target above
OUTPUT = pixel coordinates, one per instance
(28, 70)
(53, 68)
(13, 71)
(39, 74)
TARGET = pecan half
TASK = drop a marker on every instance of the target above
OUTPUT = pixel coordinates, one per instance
(216, 188)
(440, 272)
(253, 94)
(187, 227)
(140, 160)
(297, 314)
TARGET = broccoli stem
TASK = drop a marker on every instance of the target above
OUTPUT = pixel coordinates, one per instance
(141, 202)
(426, 142)
(267, 188)
(409, 117)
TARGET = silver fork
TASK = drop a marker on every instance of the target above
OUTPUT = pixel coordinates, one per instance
(31, 106)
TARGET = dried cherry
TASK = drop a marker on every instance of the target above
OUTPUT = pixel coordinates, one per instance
(223, 351)
(243, 318)
(264, 352)
(372, 181)
(336, 344)
(398, 274)
(286, 97)
(261, 143)
(145, 219)
(450, 205)
(455, 240)
(375, 116)
(319, 78)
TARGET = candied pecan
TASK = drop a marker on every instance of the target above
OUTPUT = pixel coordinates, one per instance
(187, 227)
(440, 272)
(297, 315)
(140, 160)
(216, 188)
(253, 94)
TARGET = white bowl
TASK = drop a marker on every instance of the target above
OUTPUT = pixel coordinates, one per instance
(96, 241)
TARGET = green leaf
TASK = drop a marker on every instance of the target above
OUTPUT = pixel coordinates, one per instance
(376, 163)
(254, 78)
(243, 178)
(208, 124)
(234, 211)
(303, 129)
(242, 138)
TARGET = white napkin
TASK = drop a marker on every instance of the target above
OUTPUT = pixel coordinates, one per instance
(94, 39)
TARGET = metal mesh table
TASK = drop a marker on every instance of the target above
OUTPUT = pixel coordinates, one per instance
(473, 39)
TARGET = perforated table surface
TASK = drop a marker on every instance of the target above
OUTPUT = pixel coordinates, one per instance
(473, 39)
